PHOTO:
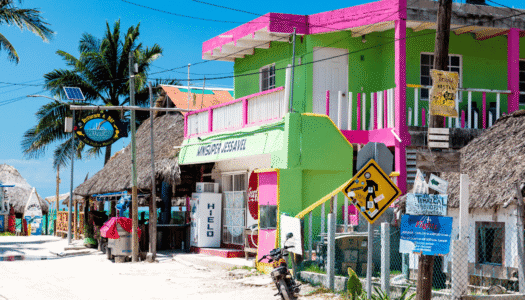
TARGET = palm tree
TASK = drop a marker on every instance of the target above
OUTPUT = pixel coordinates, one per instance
(101, 72)
(22, 18)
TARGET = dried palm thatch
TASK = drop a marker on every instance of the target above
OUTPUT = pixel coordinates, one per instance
(168, 131)
(64, 199)
(494, 162)
(19, 194)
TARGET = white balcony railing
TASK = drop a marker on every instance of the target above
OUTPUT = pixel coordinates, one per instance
(250, 110)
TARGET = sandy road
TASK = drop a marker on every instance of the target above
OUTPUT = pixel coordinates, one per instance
(95, 277)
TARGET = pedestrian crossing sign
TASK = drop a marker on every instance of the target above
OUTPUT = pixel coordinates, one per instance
(372, 191)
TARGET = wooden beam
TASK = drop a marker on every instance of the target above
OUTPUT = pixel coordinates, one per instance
(423, 26)
(438, 161)
(490, 33)
(465, 29)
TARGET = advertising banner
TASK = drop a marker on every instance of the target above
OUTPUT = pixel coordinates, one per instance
(428, 235)
(443, 93)
(425, 204)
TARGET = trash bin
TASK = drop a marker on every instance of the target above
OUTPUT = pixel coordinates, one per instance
(120, 246)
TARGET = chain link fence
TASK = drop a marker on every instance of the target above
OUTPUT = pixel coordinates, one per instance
(486, 262)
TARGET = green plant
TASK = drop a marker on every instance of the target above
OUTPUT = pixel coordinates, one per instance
(6, 234)
(319, 290)
(314, 269)
(354, 286)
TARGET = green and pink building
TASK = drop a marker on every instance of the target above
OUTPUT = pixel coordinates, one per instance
(362, 74)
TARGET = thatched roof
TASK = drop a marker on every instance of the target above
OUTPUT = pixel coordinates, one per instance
(63, 198)
(19, 194)
(494, 162)
(168, 131)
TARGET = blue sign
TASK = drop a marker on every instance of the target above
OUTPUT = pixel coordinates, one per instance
(429, 235)
(2, 223)
(425, 204)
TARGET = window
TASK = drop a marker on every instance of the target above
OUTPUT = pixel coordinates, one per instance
(427, 64)
(234, 204)
(267, 78)
(490, 241)
(522, 81)
(268, 216)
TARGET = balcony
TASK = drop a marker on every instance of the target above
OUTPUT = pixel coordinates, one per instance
(252, 110)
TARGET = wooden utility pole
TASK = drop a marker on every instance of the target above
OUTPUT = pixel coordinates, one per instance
(153, 202)
(134, 200)
(426, 262)
(56, 199)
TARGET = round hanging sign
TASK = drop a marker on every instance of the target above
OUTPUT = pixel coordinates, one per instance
(99, 129)
(253, 195)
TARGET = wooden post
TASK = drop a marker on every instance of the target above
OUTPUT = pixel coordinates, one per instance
(521, 258)
(426, 262)
(76, 220)
(56, 199)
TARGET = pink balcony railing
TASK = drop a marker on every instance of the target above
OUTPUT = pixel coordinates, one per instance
(263, 107)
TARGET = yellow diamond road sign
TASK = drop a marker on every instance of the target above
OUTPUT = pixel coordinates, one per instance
(372, 191)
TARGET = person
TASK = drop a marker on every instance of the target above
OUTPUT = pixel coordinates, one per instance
(370, 188)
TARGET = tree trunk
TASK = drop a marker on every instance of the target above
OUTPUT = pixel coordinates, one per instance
(108, 154)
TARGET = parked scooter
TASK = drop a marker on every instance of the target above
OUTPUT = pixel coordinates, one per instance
(281, 276)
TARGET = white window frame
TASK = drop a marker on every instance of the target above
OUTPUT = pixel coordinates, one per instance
(269, 67)
(234, 189)
(460, 73)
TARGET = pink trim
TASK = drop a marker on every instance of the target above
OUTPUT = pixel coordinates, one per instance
(462, 119)
(236, 100)
(385, 106)
(210, 120)
(185, 127)
(358, 112)
(484, 110)
(258, 123)
(375, 110)
(513, 69)
(365, 136)
(360, 15)
(327, 102)
(400, 97)
(268, 188)
(244, 112)
(270, 22)
(423, 117)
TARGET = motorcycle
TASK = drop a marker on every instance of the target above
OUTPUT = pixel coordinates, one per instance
(285, 283)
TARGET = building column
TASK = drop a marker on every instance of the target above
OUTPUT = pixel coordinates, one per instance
(400, 123)
(513, 69)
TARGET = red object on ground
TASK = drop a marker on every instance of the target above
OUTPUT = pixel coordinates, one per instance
(24, 227)
(109, 229)
(11, 222)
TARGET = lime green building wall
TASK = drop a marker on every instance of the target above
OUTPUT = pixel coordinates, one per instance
(320, 159)
(371, 64)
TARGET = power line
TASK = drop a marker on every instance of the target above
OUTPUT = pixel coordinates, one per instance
(180, 15)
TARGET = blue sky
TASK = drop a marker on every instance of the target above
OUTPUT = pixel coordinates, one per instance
(181, 39)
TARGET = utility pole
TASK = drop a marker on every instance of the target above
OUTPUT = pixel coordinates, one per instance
(189, 94)
(69, 213)
(426, 262)
(153, 203)
(134, 200)
(58, 189)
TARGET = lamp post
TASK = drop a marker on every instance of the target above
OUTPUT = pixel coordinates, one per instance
(70, 214)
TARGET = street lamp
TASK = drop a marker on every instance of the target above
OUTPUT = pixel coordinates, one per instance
(70, 213)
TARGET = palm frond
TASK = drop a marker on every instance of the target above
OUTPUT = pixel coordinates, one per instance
(11, 52)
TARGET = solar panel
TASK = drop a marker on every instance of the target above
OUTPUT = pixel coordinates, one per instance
(74, 93)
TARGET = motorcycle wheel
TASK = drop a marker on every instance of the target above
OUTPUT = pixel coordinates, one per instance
(286, 294)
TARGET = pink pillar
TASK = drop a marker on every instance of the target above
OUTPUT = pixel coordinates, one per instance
(423, 117)
(186, 125)
(358, 111)
(375, 110)
(484, 110)
(210, 120)
(513, 70)
(462, 119)
(400, 97)
(244, 112)
(385, 108)
(327, 102)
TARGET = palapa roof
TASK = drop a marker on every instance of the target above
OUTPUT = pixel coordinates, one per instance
(64, 198)
(494, 162)
(19, 194)
(168, 131)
